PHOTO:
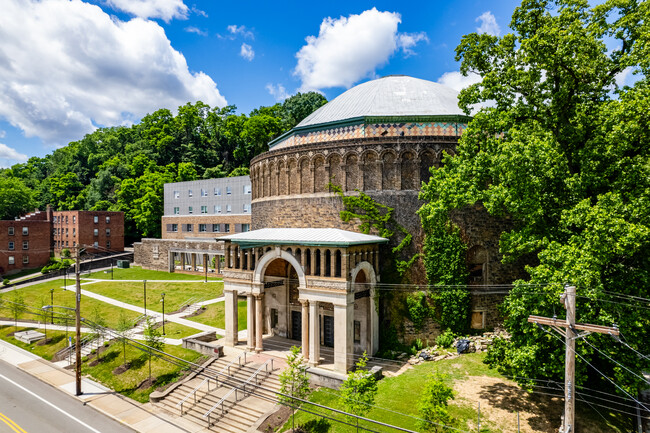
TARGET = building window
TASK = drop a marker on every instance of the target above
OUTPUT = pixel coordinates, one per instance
(12, 260)
(66, 243)
(228, 208)
(74, 219)
(189, 193)
(204, 209)
(96, 219)
(226, 228)
(96, 232)
(203, 228)
(357, 331)
(216, 228)
(228, 190)
(204, 192)
(11, 231)
(174, 227)
(190, 210)
(247, 208)
(11, 246)
(190, 227)
(96, 244)
(74, 231)
(245, 227)
(55, 217)
(217, 208)
(25, 260)
(247, 189)
(177, 194)
(108, 244)
(177, 210)
(217, 191)
(66, 231)
(25, 231)
(108, 232)
(108, 220)
(25, 245)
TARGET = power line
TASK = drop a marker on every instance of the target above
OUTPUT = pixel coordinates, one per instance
(616, 362)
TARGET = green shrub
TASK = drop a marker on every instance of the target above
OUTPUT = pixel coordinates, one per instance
(418, 308)
(446, 339)
(5, 281)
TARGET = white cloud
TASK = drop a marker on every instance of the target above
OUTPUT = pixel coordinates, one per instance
(488, 24)
(247, 52)
(163, 9)
(406, 41)
(278, 92)
(66, 67)
(240, 30)
(349, 49)
(457, 81)
(3, 133)
(198, 31)
(9, 156)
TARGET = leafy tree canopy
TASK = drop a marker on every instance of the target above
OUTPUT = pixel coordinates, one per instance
(16, 198)
(562, 151)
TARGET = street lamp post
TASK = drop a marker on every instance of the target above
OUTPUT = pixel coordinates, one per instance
(111, 269)
(162, 299)
(144, 282)
(52, 304)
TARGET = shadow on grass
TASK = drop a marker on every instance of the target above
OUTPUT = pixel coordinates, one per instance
(315, 426)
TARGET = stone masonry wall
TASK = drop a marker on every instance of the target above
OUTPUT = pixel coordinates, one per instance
(154, 253)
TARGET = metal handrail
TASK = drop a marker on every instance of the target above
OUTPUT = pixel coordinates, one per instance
(223, 399)
(216, 380)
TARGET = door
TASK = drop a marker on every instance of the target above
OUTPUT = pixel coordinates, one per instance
(328, 331)
(296, 325)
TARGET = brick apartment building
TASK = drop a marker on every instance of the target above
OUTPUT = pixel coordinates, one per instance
(29, 241)
(100, 231)
(25, 242)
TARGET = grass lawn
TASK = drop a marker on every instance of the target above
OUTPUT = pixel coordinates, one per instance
(178, 331)
(127, 383)
(214, 315)
(175, 293)
(471, 379)
(39, 294)
(56, 341)
(137, 273)
(23, 274)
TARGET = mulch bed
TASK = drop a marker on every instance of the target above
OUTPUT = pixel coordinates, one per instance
(275, 420)
(147, 383)
(122, 369)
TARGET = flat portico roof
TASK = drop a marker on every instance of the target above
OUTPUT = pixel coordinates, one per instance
(302, 236)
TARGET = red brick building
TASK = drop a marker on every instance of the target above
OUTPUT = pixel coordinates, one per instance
(25, 242)
(29, 241)
(99, 231)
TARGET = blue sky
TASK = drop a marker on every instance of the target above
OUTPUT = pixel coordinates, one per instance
(67, 67)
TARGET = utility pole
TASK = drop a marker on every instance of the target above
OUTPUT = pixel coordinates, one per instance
(77, 346)
(569, 329)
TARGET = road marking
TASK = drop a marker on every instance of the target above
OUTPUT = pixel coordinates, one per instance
(49, 404)
(12, 425)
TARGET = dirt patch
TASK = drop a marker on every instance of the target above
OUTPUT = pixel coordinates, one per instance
(196, 313)
(146, 384)
(43, 342)
(276, 420)
(122, 369)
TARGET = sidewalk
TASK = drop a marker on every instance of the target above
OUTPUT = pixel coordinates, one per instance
(140, 417)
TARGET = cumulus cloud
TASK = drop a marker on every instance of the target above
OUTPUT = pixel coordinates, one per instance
(198, 31)
(349, 49)
(457, 81)
(247, 52)
(163, 9)
(3, 133)
(241, 31)
(278, 92)
(9, 156)
(488, 24)
(67, 67)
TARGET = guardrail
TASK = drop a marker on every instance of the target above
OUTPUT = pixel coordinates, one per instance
(221, 402)
(207, 379)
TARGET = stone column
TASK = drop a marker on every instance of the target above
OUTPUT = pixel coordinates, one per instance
(231, 317)
(314, 334)
(374, 323)
(259, 328)
(345, 257)
(305, 328)
(323, 263)
(343, 336)
(250, 321)
(193, 256)
(226, 254)
(332, 263)
(182, 261)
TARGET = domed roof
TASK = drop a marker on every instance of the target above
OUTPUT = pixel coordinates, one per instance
(394, 95)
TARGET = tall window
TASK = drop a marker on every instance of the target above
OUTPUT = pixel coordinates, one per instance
(96, 244)
(247, 208)
(25, 260)
(177, 210)
(204, 192)
(228, 190)
(108, 245)
(217, 208)
(74, 219)
(247, 189)
(108, 232)
(190, 227)
(228, 208)
(11, 260)
(11, 246)
(190, 210)
(203, 228)
(25, 245)
(226, 228)
(245, 227)
(108, 220)
(174, 227)
(96, 219)
(96, 232)
(217, 191)
(204, 209)
(216, 228)
(11, 231)
(25, 231)
(177, 194)
(189, 193)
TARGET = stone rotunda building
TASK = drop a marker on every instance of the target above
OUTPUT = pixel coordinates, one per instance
(309, 276)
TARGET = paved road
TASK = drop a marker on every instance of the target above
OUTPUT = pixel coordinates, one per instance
(31, 406)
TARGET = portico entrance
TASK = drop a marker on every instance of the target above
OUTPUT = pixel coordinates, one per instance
(315, 286)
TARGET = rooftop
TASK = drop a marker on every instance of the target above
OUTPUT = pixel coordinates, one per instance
(302, 236)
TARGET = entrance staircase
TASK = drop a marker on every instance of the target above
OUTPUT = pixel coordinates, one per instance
(229, 411)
